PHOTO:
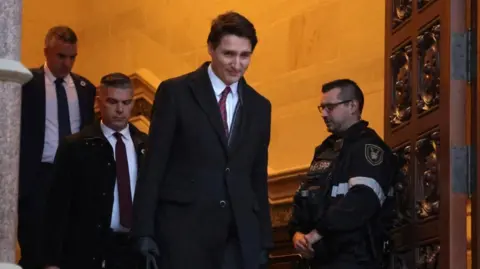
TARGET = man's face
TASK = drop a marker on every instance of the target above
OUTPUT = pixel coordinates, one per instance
(115, 107)
(60, 57)
(230, 59)
(335, 112)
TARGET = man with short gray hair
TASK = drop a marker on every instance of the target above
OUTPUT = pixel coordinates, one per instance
(55, 103)
(89, 208)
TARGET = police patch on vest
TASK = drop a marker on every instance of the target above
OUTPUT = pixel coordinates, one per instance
(373, 154)
(320, 166)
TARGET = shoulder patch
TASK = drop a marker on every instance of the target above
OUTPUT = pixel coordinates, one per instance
(373, 154)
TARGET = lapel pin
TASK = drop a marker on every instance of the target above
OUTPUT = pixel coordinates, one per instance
(82, 83)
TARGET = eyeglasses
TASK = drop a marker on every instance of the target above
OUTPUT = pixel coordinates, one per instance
(330, 107)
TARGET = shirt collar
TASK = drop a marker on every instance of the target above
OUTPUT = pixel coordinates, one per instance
(217, 83)
(108, 132)
(51, 78)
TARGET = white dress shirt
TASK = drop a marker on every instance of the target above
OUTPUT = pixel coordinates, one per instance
(132, 169)
(232, 97)
(51, 116)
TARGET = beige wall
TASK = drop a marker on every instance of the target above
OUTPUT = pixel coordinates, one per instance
(302, 45)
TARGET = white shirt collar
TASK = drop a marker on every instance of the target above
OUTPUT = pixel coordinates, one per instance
(51, 78)
(218, 85)
(108, 132)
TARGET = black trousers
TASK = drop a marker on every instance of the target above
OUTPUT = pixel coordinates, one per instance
(117, 254)
(31, 213)
(232, 258)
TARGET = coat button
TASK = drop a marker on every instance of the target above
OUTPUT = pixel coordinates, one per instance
(192, 180)
(227, 170)
(223, 204)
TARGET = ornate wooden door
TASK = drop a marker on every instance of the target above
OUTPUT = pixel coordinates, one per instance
(425, 122)
(475, 137)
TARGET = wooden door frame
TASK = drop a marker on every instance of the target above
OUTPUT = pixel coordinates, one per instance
(450, 228)
(453, 224)
(475, 134)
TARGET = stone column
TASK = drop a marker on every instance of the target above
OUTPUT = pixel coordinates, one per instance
(12, 75)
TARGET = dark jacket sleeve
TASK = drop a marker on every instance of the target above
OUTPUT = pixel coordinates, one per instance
(161, 135)
(58, 204)
(370, 169)
(298, 220)
(260, 185)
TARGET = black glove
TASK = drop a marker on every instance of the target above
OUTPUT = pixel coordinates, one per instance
(148, 249)
(264, 259)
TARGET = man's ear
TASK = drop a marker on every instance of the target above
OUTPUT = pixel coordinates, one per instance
(97, 99)
(355, 106)
(210, 49)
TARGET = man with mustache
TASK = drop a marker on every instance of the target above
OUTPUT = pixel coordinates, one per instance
(202, 202)
(336, 221)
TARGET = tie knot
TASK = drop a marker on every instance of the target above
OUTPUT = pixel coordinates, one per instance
(117, 135)
(59, 81)
(226, 91)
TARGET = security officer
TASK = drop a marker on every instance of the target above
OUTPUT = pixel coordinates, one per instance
(336, 221)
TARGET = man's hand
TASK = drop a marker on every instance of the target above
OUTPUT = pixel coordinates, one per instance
(302, 246)
(146, 246)
(264, 257)
(263, 260)
(313, 237)
(148, 249)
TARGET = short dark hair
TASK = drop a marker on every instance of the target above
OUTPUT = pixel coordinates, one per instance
(63, 33)
(349, 90)
(116, 80)
(231, 23)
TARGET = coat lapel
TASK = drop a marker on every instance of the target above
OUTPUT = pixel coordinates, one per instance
(94, 132)
(82, 97)
(241, 128)
(203, 91)
(139, 144)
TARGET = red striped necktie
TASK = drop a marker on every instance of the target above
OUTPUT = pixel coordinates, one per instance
(223, 108)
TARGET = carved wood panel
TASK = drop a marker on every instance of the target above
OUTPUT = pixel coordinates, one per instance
(474, 205)
(422, 125)
(281, 188)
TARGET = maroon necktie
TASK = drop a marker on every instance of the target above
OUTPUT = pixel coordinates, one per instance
(123, 181)
(223, 109)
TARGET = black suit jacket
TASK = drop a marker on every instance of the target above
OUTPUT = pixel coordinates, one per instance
(191, 167)
(79, 207)
(32, 134)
